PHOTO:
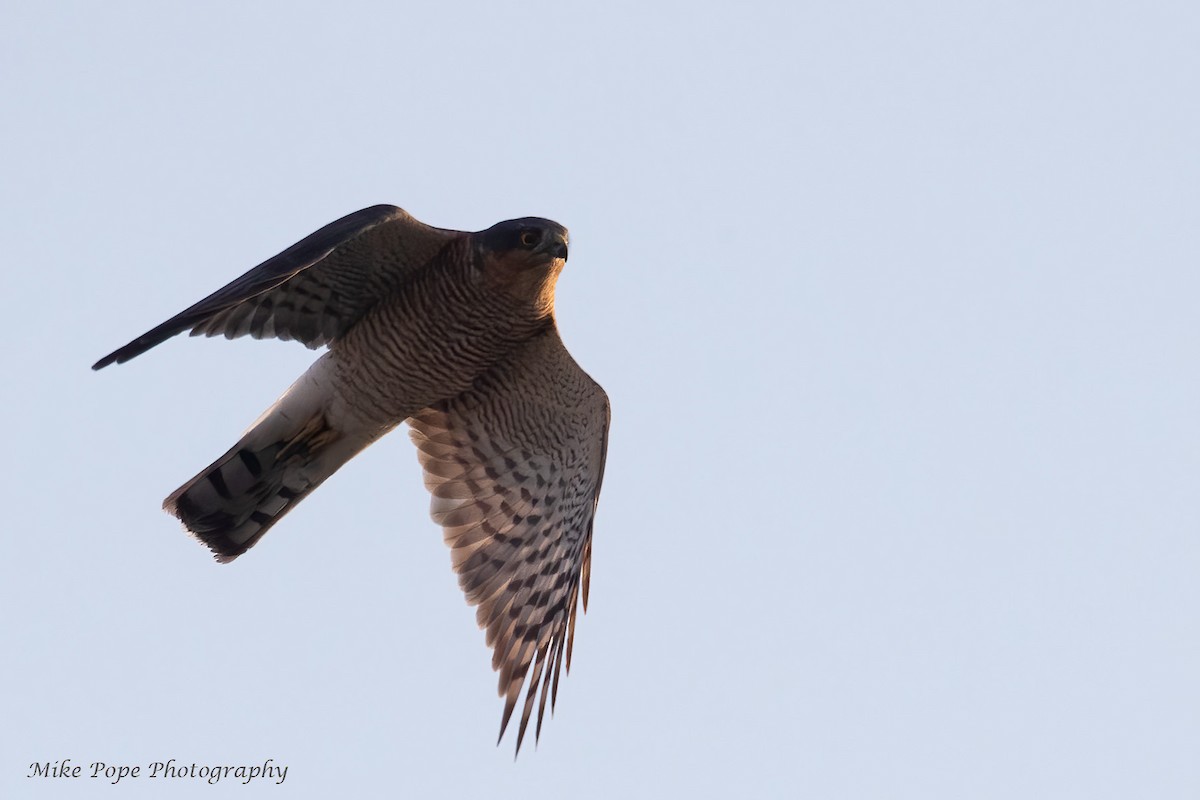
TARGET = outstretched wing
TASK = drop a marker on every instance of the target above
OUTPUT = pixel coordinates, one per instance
(515, 466)
(312, 291)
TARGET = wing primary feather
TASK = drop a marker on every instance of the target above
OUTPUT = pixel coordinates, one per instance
(557, 667)
(266, 276)
(534, 681)
(514, 466)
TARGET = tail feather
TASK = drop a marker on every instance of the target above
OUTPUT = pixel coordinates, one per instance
(237, 498)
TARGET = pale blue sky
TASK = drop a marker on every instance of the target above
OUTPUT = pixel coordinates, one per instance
(896, 305)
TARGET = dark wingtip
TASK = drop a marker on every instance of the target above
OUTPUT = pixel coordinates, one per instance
(140, 345)
(111, 358)
(123, 354)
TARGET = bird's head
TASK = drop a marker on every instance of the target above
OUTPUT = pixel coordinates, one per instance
(523, 257)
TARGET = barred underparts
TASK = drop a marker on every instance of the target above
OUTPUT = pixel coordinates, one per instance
(454, 333)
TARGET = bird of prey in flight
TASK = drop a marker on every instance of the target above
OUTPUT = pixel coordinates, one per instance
(454, 333)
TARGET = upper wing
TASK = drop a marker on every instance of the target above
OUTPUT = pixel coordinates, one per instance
(515, 466)
(313, 290)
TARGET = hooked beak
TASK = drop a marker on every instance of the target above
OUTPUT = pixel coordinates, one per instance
(555, 245)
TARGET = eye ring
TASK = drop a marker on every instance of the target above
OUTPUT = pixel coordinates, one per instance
(530, 238)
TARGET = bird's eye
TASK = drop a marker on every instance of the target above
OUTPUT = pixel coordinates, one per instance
(530, 238)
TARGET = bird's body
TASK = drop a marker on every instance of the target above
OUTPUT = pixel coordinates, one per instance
(453, 332)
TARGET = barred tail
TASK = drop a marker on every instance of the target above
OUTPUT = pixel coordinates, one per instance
(232, 503)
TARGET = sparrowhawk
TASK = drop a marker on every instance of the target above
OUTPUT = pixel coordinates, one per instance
(454, 333)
